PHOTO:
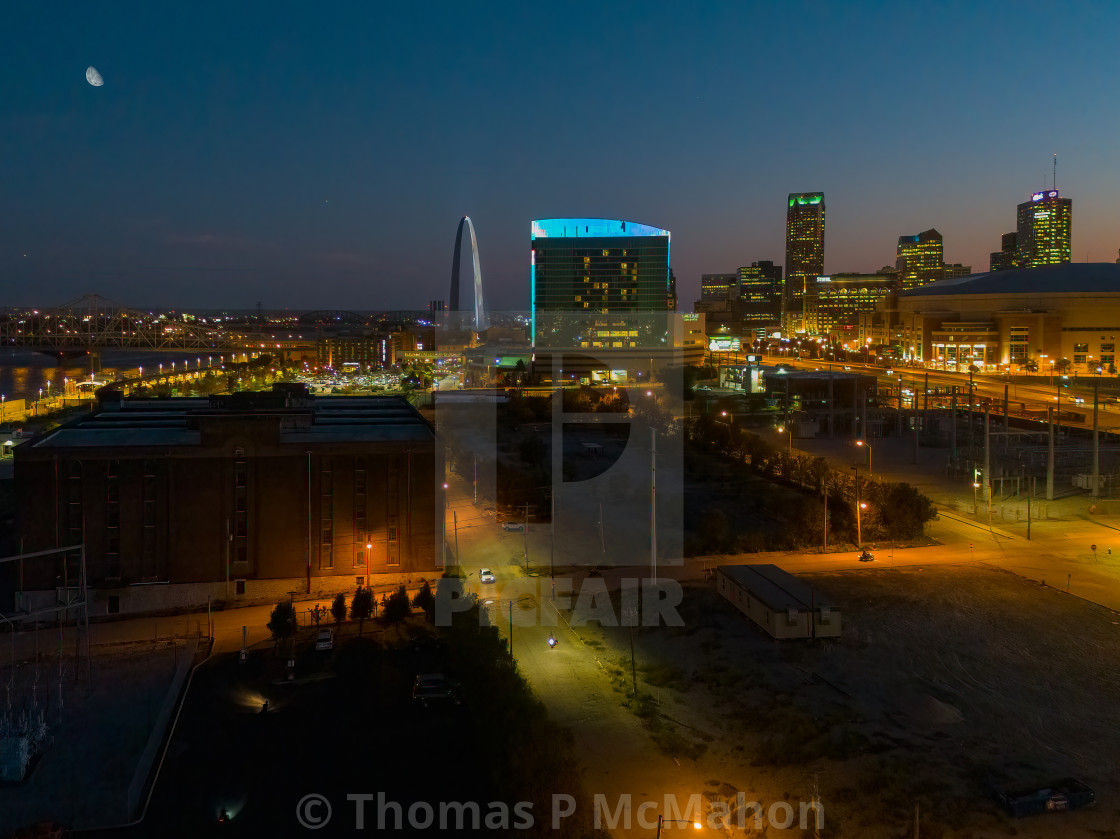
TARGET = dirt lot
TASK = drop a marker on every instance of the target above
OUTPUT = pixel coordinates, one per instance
(947, 682)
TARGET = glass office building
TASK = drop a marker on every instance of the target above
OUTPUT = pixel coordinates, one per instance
(804, 247)
(1044, 227)
(599, 283)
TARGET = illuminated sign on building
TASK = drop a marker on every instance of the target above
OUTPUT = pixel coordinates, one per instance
(724, 345)
(1038, 196)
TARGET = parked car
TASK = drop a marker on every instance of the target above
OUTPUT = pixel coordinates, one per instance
(325, 639)
(486, 576)
(704, 388)
(512, 525)
(1065, 794)
(434, 689)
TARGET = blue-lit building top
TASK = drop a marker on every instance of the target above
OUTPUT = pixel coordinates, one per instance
(599, 283)
(554, 228)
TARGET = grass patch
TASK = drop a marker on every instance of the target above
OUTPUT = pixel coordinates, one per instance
(664, 676)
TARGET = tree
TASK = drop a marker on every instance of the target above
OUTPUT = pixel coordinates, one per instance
(338, 609)
(397, 609)
(282, 622)
(425, 600)
(361, 607)
(1031, 365)
(1063, 365)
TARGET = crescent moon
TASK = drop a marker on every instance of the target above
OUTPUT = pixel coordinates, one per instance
(93, 77)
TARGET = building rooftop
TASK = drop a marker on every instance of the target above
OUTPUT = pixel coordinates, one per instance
(1068, 278)
(306, 419)
(778, 590)
(549, 228)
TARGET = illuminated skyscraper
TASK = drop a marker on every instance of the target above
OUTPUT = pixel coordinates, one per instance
(599, 283)
(1043, 235)
(760, 294)
(804, 249)
(719, 286)
(920, 259)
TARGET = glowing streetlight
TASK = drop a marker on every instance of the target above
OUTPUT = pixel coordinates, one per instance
(782, 430)
(975, 486)
(661, 820)
(863, 443)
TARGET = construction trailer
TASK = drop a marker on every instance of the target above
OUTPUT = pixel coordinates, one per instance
(779, 602)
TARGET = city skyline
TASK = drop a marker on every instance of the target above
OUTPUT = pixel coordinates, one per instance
(312, 161)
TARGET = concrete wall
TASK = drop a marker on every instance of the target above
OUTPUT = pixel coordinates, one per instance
(172, 597)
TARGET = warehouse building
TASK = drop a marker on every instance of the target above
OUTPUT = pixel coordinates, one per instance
(239, 497)
(780, 603)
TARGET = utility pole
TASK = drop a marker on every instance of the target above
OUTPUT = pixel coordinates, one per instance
(524, 533)
(917, 425)
(1096, 440)
(988, 447)
(1030, 492)
(455, 518)
(653, 501)
(953, 428)
(824, 491)
(1050, 457)
(831, 406)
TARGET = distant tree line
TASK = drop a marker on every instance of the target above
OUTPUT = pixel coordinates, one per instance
(894, 511)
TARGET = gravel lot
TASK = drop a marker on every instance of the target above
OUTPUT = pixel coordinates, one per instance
(948, 681)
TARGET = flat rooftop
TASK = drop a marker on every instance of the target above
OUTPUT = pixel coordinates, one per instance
(778, 590)
(177, 422)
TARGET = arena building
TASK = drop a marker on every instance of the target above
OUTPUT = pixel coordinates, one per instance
(1064, 316)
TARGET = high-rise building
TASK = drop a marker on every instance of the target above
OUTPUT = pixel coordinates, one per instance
(1004, 258)
(599, 283)
(760, 294)
(920, 258)
(954, 270)
(839, 299)
(719, 286)
(804, 248)
(672, 304)
(1043, 234)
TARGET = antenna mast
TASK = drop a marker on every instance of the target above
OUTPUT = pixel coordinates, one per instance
(1055, 170)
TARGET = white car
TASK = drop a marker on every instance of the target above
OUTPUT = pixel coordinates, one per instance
(486, 576)
(512, 525)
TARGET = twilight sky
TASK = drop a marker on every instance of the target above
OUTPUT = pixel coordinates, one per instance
(320, 155)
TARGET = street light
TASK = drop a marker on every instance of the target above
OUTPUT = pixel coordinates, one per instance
(862, 505)
(662, 820)
(782, 430)
(862, 443)
(975, 486)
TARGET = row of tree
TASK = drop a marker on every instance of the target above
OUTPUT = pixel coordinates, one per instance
(395, 609)
(893, 510)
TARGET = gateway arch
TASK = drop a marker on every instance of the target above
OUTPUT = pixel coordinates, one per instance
(478, 320)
